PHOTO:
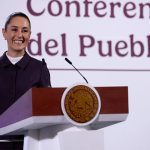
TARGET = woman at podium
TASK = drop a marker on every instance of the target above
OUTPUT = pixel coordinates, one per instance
(18, 71)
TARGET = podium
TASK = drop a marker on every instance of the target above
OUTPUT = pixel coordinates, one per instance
(40, 108)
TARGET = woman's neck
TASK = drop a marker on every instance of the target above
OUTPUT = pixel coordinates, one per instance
(15, 53)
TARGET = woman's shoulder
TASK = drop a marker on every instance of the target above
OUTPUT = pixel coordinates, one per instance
(32, 59)
(37, 62)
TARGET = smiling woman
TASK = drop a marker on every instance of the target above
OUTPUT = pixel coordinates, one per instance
(18, 71)
(17, 33)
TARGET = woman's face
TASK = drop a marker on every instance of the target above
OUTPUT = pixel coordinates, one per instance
(17, 34)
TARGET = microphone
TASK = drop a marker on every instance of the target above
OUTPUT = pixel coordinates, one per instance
(68, 61)
(43, 60)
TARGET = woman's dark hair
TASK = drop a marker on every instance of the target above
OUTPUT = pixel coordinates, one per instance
(16, 14)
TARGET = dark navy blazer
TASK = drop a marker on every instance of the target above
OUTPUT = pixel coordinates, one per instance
(16, 79)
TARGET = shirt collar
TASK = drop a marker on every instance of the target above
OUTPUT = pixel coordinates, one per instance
(4, 61)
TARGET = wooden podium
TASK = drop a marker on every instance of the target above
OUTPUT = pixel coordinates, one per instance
(41, 107)
(38, 116)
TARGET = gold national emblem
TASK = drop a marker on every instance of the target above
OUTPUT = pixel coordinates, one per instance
(81, 104)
